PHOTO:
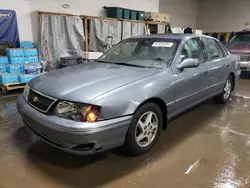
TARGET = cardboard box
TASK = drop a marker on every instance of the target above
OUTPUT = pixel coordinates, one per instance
(158, 17)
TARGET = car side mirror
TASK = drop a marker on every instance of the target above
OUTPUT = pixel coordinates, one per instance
(188, 63)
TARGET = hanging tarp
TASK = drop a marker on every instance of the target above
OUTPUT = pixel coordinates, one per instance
(163, 29)
(138, 29)
(126, 30)
(100, 30)
(64, 36)
(130, 29)
(8, 27)
(177, 30)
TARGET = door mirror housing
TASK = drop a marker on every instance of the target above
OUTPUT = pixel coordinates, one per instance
(188, 63)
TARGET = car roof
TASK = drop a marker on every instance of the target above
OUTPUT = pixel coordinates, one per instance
(171, 36)
(243, 32)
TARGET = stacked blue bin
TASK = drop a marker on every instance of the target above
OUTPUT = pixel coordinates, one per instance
(3, 62)
(26, 44)
(31, 55)
(20, 65)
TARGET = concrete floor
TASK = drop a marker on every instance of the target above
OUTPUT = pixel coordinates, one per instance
(206, 147)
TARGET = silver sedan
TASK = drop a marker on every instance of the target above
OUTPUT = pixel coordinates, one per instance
(126, 97)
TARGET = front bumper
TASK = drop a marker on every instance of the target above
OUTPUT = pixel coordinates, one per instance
(245, 65)
(74, 137)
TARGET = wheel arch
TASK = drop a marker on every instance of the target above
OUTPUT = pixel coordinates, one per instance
(233, 77)
(159, 102)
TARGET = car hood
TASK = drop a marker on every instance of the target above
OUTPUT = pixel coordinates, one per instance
(83, 83)
(238, 48)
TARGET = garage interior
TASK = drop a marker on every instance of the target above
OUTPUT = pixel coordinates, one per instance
(207, 146)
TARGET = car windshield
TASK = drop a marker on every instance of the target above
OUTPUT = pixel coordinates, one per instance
(142, 52)
(241, 38)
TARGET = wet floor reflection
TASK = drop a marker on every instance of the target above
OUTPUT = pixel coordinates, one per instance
(208, 146)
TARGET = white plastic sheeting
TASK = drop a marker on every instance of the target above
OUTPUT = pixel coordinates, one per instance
(100, 30)
(198, 32)
(64, 36)
(130, 29)
(177, 30)
(161, 28)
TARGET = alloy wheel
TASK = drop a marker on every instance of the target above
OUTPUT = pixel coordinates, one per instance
(146, 129)
(227, 89)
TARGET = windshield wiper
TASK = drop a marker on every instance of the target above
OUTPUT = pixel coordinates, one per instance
(159, 59)
(124, 64)
(132, 65)
(101, 61)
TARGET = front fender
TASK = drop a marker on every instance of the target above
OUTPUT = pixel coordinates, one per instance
(126, 99)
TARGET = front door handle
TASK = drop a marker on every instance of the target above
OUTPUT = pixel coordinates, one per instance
(205, 72)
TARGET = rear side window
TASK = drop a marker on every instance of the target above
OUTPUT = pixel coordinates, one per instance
(213, 49)
(224, 50)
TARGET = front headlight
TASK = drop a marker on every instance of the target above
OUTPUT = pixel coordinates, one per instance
(77, 112)
(26, 92)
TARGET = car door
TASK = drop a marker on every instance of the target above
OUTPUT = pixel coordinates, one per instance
(191, 84)
(219, 64)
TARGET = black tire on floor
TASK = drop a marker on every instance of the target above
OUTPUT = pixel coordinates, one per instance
(220, 99)
(130, 143)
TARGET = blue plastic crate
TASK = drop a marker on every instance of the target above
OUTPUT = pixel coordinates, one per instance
(14, 52)
(31, 59)
(24, 78)
(30, 52)
(8, 78)
(26, 44)
(16, 60)
(13, 77)
(13, 68)
(21, 78)
(3, 78)
(4, 60)
(2, 68)
(21, 68)
(12, 60)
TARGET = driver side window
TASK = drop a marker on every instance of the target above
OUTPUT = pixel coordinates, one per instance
(192, 49)
(123, 51)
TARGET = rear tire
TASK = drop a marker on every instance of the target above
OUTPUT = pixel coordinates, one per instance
(144, 130)
(224, 96)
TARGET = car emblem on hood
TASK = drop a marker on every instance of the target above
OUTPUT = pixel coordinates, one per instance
(35, 99)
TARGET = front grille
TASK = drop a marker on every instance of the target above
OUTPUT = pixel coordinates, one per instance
(39, 101)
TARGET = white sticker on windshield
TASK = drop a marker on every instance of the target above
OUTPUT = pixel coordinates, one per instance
(163, 44)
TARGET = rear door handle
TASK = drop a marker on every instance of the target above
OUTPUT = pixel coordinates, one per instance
(205, 72)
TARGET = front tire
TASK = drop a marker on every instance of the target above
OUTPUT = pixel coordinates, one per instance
(145, 129)
(224, 97)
